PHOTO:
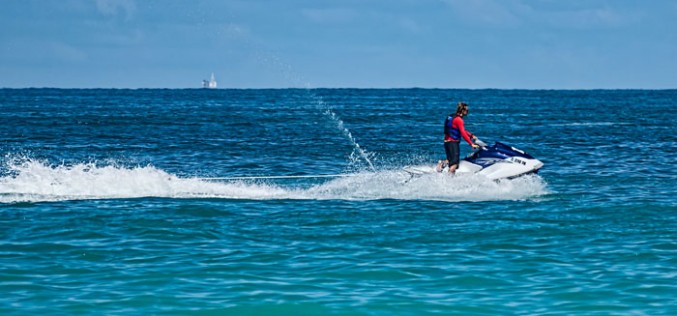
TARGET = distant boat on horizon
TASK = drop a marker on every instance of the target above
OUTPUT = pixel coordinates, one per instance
(209, 84)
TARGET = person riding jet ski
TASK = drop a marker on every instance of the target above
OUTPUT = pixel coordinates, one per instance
(496, 162)
(454, 129)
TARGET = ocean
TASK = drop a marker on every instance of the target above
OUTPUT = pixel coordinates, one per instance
(130, 202)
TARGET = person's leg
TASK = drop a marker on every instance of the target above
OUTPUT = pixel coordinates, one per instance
(455, 155)
(448, 152)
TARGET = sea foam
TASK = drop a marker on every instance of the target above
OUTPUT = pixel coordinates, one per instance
(30, 180)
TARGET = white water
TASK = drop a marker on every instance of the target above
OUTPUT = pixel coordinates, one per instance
(35, 181)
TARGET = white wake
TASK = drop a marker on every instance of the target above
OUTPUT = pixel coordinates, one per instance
(35, 181)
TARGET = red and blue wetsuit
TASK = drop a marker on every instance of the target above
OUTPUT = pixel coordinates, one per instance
(454, 129)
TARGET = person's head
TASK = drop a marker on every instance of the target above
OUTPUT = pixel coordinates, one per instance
(462, 109)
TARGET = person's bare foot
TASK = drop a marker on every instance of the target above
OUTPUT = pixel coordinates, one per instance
(440, 165)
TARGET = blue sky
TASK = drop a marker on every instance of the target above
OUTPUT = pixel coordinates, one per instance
(537, 44)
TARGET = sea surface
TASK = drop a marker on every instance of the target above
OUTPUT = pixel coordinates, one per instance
(210, 202)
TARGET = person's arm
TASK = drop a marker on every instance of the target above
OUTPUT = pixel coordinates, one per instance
(464, 133)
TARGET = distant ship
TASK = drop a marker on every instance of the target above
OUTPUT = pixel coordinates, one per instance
(209, 84)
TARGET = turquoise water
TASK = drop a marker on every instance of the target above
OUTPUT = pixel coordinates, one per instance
(108, 204)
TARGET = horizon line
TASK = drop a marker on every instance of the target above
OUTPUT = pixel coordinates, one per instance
(337, 88)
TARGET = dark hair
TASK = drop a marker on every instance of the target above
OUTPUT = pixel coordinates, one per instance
(461, 108)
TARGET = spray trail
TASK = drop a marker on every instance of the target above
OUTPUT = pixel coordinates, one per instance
(346, 132)
(326, 110)
(290, 75)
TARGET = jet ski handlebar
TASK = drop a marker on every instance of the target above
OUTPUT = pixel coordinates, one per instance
(480, 143)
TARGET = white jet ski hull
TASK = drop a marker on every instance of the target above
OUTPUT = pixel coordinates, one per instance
(497, 162)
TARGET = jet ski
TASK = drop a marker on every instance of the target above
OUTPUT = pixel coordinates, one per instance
(496, 162)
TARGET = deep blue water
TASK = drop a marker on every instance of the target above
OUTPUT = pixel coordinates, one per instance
(108, 203)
